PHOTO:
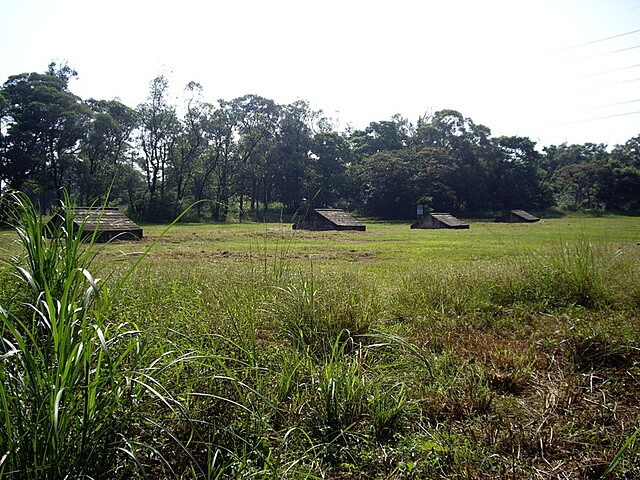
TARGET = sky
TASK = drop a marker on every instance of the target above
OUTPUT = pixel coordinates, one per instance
(552, 70)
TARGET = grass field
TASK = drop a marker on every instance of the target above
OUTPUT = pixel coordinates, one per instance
(252, 350)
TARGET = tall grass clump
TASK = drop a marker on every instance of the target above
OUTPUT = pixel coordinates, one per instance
(50, 258)
(583, 273)
(444, 295)
(313, 311)
(580, 273)
(72, 390)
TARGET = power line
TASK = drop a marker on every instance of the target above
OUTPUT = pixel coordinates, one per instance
(622, 11)
(599, 74)
(611, 84)
(597, 118)
(597, 41)
(582, 59)
(615, 104)
(622, 50)
(610, 71)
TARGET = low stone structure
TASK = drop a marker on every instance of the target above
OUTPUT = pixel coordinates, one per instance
(328, 219)
(106, 223)
(440, 220)
(517, 216)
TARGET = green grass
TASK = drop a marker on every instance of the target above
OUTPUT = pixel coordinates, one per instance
(502, 351)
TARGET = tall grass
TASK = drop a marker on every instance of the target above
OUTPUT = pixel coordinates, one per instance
(313, 311)
(59, 392)
(72, 388)
(578, 272)
(259, 365)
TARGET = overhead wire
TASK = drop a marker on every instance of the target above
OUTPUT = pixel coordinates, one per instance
(597, 41)
(599, 107)
(619, 68)
(622, 82)
(611, 71)
(604, 117)
(612, 52)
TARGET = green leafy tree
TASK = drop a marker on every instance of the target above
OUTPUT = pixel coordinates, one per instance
(577, 185)
(386, 135)
(104, 148)
(331, 154)
(558, 156)
(384, 178)
(158, 132)
(289, 163)
(514, 175)
(621, 182)
(189, 144)
(469, 147)
(576, 174)
(431, 178)
(255, 122)
(215, 169)
(442, 129)
(44, 124)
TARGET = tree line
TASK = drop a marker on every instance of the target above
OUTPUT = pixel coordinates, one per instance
(243, 156)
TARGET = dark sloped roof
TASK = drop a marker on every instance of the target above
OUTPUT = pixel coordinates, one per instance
(448, 219)
(338, 217)
(99, 224)
(104, 219)
(525, 215)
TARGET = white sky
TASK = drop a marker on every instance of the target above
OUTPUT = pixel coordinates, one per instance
(536, 68)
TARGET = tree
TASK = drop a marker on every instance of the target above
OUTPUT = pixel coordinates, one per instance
(387, 135)
(385, 180)
(215, 169)
(469, 146)
(255, 121)
(331, 154)
(514, 176)
(431, 179)
(190, 142)
(441, 129)
(289, 162)
(104, 148)
(558, 156)
(44, 124)
(577, 185)
(576, 173)
(159, 128)
(621, 182)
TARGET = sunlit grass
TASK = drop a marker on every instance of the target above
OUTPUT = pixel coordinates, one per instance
(503, 351)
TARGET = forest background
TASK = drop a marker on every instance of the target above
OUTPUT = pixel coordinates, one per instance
(249, 156)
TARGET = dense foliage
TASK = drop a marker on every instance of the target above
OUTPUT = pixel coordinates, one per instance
(246, 154)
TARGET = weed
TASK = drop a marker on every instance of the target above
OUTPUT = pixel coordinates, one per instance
(577, 273)
(341, 393)
(312, 313)
(389, 408)
(629, 447)
(73, 389)
(598, 352)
